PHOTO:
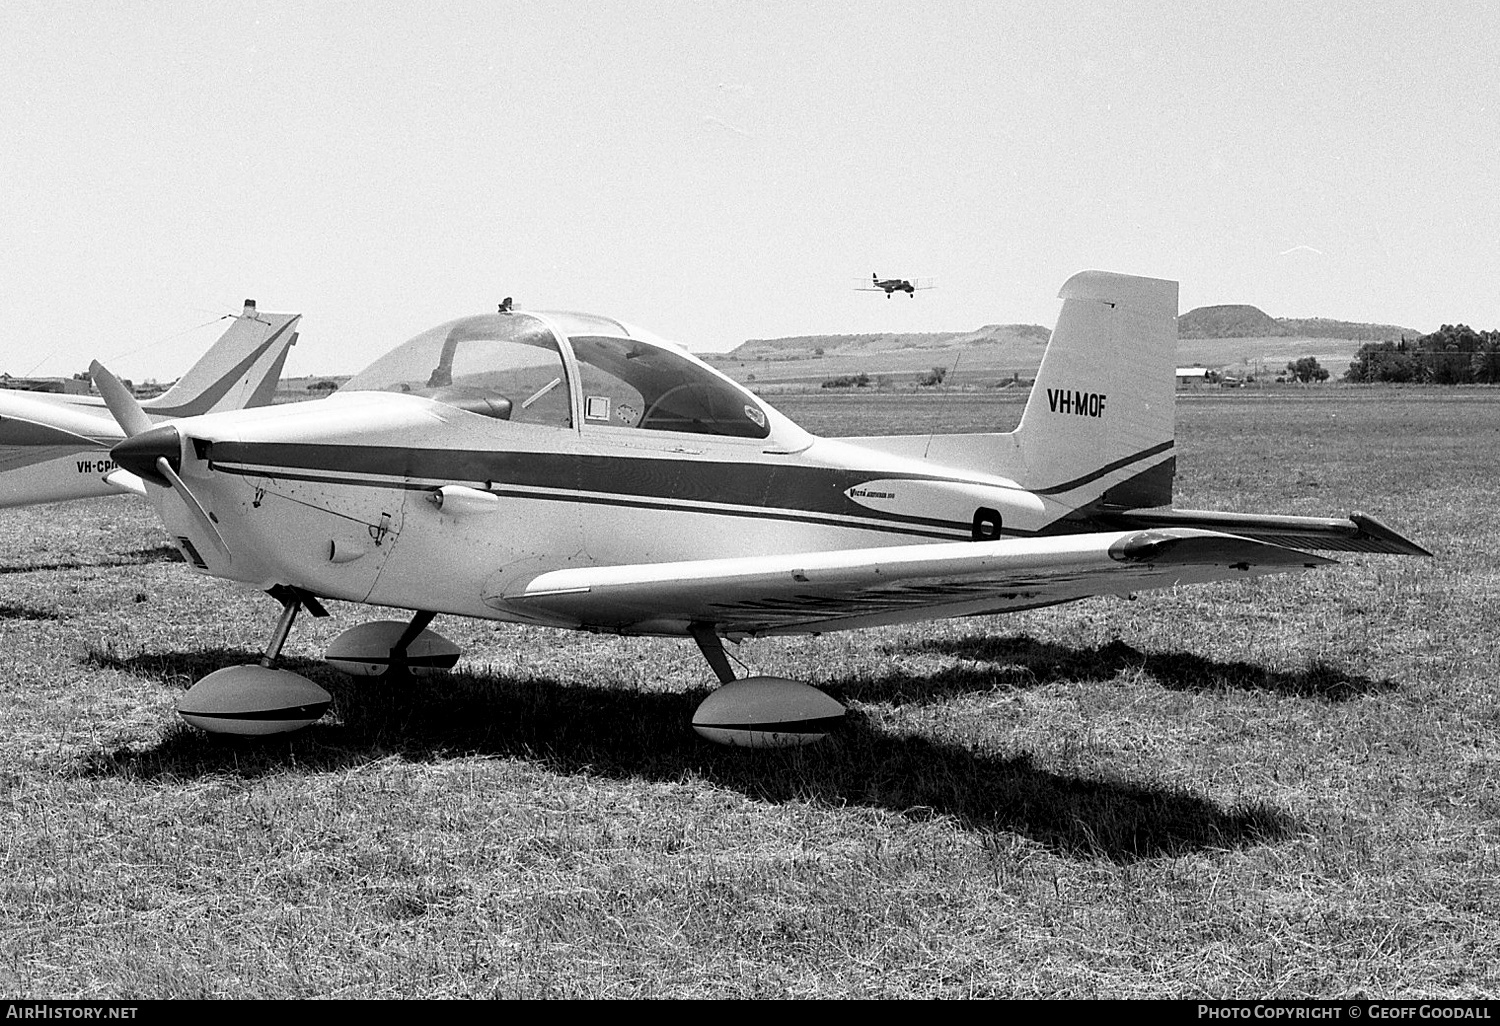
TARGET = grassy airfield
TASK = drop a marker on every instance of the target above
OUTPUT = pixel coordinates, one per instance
(1289, 788)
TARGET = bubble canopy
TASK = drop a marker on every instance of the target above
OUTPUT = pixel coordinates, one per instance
(564, 369)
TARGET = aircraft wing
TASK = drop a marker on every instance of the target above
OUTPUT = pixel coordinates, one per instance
(824, 591)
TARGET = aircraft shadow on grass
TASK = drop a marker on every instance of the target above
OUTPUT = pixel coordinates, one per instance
(12, 611)
(630, 734)
(1021, 662)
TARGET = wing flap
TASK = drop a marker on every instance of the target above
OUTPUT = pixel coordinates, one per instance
(864, 587)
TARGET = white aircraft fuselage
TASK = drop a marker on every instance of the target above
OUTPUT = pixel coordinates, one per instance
(567, 469)
(338, 497)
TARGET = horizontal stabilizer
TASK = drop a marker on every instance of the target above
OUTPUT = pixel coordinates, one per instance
(1356, 533)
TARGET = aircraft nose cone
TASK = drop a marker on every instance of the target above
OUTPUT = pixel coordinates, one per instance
(139, 453)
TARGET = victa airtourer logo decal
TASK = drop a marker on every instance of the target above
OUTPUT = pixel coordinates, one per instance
(1084, 404)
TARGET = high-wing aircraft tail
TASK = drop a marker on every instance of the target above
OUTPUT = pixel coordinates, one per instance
(239, 371)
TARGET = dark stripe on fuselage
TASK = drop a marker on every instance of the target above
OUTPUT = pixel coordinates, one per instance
(777, 491)
(771, 491)
(1108, 468)
(895, 525)
(954, 532)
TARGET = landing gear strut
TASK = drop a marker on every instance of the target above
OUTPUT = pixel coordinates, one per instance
(291, 599)
(712, 648)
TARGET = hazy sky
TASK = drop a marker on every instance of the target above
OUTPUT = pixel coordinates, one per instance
(724, 171)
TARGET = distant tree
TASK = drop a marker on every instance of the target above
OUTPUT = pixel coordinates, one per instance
(859, 380)
(1383, 361)
(1447, 356)
(323, 386)
(1306, 369)
(1487, 360)
(933, 377)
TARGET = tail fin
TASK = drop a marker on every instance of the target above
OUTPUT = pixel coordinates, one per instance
(239, 371)
(1098, 427)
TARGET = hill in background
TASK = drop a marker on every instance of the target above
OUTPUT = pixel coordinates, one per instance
(1237, 339)
(984, 356)
(1240, 321)
(1234, 321)
(804, 346)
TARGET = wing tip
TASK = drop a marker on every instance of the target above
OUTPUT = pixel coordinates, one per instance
(1392, 541)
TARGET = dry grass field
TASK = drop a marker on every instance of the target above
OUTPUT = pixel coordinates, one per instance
(1285, 789)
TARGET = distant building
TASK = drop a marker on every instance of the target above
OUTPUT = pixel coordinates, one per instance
(67, 386)
(1192, 377)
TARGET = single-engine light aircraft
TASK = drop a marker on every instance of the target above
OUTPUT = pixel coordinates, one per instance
(55, 447)
(888, 285)
(570, 470)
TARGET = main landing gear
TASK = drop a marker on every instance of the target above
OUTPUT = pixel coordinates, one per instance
(260, 698)
(759, 712)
